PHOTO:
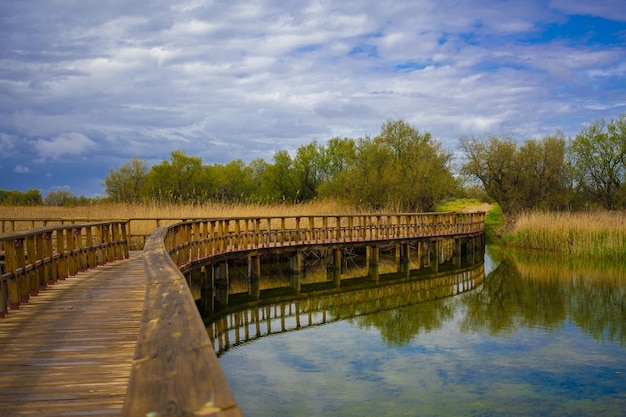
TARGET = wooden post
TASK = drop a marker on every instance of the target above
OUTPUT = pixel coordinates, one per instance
(297, 271)
(81, 261)
(211, 245)
(91, 252)
(282, 231)
(297, 237)
(254, 274)
(125, 244)
(436, 249)
(337, 266)
(31, 275)
(50, 270)
(13, 299)
(374, 256)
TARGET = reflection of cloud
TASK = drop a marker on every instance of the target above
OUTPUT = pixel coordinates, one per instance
(65, 144)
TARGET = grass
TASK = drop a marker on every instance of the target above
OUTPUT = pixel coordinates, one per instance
(494, 221)
(583, 234)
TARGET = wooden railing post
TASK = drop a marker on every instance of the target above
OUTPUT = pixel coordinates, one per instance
(282, 231)
(31, 272)
(11, 268)
(90, 247)
(125, 240)
(81, 261)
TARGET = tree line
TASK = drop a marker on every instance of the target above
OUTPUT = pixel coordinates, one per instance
(400, 169)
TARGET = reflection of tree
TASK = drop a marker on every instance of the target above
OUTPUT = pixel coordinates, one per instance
(541, 291)
(599, 309)
(400, 326)
(506, 302)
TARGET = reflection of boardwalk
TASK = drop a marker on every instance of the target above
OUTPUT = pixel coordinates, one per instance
(313, 309)
(69, 350)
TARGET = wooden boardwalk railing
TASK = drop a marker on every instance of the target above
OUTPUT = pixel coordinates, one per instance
(195, 240)
(36, 258)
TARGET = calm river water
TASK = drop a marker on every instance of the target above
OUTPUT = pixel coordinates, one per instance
(539, 336)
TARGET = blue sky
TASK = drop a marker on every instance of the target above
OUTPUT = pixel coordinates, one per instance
(88, 85)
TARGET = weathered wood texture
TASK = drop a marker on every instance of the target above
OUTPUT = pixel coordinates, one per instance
(175, 370)
(68, 351)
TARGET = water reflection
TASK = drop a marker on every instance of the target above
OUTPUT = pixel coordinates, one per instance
(248, 321)
(532, 290)
(540, 335)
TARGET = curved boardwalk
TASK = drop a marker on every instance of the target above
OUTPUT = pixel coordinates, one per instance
(69, 350)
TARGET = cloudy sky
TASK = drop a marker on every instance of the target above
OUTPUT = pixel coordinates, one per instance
(86, 85)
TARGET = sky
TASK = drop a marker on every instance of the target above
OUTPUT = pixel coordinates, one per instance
(86, 85)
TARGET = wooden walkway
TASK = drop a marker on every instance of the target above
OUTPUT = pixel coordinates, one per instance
(69, 350)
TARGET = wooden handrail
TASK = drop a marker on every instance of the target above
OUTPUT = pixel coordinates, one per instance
(175, 371)
(39, 257)
(197, 240)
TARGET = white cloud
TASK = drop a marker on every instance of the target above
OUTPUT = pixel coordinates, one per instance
(21, 169)
(67, 144)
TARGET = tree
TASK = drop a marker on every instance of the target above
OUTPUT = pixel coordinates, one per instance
(534, 175)
(16, 198)
(400, 169)
(494, 162)
(599, 155)
(277, 182)
(308, 170)
(61, 198)
(182, 179)
(546, 176)
(233, 181)
(338, 156)
(126, 183)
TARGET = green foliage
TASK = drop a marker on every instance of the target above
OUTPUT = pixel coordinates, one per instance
(400, 169)
(62, 198)
(18, 198)
(534, 175)
(126, 183)
(182, 178)
(599, 155)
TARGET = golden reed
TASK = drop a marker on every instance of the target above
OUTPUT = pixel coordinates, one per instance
(588, 234)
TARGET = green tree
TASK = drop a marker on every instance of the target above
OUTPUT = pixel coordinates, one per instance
(61, 198)
(400, 168)
(277, 182)
(308, 170)
(126, 183)
(599, 155)
(494, 162)
(182, 179)
(17, 198)
(338, 157)
(533, 175)
(546, 175)
(233, 181)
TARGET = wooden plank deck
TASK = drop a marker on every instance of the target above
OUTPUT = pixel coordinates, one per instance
(69, 351)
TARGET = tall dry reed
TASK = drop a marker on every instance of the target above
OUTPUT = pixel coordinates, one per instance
(588, 234)
(174, 211)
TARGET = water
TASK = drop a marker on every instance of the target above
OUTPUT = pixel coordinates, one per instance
(538, 337)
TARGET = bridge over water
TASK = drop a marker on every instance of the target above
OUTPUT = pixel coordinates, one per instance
(90, 328)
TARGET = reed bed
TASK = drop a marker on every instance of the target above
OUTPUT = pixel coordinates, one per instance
(175, 211)
(143, 216)
(585, 234)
